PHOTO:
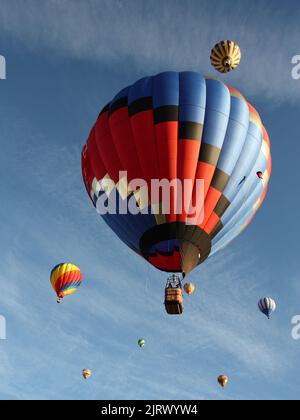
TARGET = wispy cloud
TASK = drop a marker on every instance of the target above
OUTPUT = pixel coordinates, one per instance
(120, 301)
(155, 35)
(46, 218)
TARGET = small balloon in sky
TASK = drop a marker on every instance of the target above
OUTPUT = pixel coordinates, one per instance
(86, 373)
(65, 280)
(189, 288)
(223, 380)
(225, 56)
(141, 342)
(267, 306)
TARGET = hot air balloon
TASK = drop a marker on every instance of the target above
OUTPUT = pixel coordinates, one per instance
(86, 373)
(267, 306)
(189, 288)
(141, 342)
(223, 380)
(194, 137)
(225, 56)
(65, 280)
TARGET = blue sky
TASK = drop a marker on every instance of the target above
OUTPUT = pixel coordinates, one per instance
(65, 60)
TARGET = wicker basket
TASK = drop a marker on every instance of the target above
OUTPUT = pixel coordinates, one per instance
(173, 300)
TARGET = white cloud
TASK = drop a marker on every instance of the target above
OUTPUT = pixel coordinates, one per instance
(169, 34)
(120, 301)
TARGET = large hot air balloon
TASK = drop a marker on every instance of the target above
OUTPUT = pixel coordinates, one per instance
(65, 280)
(223, 380)
(267, 306)
(199, 135)
(225, 56)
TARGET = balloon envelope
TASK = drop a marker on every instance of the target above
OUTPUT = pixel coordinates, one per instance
(65, 279)
(267, 306)
(189, 288)
(225, 56)
(185, 128)
(141, 342)
(86, 373)
(223, 380)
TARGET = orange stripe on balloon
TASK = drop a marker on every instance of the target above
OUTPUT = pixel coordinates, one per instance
(67, 278)
(211, 201)
(212, 223)
(206, 172)
(188, 152)
(167, 143)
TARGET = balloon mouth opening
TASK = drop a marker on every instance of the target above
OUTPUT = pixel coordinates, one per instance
(227, 62)
(175, 247)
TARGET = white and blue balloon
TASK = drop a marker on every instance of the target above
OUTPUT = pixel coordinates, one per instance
(267, 306)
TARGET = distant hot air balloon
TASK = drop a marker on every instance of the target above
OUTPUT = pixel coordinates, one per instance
(225, 56)
(223, 380)
(86, 373)
(141, 342)
(260, 175)
(182, 127)
(267, 306)
(189, 288)
(65, 280)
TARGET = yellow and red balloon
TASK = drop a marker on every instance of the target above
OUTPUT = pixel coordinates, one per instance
(65, 279)
(189, 288)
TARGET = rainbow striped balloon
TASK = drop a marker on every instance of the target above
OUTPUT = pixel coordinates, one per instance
(65, 279)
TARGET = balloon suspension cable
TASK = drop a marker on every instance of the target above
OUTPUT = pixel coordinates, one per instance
(174, 281)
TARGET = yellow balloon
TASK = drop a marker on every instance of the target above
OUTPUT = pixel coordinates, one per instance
(189, 288)
(225, 56)
(86, 373)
